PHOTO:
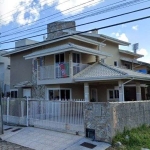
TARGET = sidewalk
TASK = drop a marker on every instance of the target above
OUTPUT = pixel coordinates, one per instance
(40, 139)
(4, 145)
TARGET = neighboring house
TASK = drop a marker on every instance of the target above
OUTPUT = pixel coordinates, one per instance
(4, 75)
(68, 66)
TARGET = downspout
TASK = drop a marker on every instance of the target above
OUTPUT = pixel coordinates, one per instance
(123, 87)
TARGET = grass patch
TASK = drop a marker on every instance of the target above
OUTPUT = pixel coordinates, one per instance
(138, 138)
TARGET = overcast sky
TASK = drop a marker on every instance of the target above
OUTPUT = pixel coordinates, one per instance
(24, 14)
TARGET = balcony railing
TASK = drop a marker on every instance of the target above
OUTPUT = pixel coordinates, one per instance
(77, 67)
(59, 70)
(54, 71)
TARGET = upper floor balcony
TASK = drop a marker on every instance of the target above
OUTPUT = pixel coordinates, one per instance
(59, 70)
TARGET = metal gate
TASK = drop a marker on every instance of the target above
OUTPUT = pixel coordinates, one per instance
(65, 116)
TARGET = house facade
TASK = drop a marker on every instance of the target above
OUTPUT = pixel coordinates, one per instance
(4, 75)
(72, 65)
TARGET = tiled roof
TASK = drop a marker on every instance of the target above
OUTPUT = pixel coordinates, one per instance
(100, 71)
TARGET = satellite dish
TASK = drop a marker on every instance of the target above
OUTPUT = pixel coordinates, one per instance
(135, 47)
(44, 37)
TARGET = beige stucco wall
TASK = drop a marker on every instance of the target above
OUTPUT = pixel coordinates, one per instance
(49, 60)
(112, 49)
(87, 58)
(21, 69)
(84, 44)
(77, 90)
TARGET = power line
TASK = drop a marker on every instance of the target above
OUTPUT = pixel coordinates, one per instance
(104, 27)
(41, 10)
(60, 20)
(50, 15)
(127, 3)
(14, 10)
(123, 14)
(103, 11)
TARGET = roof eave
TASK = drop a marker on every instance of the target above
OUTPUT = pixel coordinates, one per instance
(96, 53)
(115, 40)
(100, 79)
(130, 53)
(111, 78)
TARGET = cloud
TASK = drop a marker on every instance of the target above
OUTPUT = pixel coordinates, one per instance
(135, 27)
(121, 36)
(79, 5)
(142, 51)
(123, 25)
(27, 11)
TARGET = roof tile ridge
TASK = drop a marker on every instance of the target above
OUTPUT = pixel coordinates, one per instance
(90, 66)
(113, 68)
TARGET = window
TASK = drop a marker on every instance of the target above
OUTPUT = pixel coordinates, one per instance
(35, 64)
(115, 63)
(112, 94)
(41, 61)
(128, 66)
(76, 58)
(59, 58)
(116, 94)
(8, 66)
(103, 60)
(56, 94)
(14, 93)
(76, 63)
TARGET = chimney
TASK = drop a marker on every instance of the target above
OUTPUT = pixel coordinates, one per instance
(95, 31)
(52, 28)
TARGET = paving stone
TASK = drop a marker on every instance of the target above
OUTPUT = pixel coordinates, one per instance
(4, 145)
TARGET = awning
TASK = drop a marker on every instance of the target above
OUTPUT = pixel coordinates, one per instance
(23, 84)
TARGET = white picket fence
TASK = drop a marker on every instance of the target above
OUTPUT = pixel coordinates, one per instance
(65, 116)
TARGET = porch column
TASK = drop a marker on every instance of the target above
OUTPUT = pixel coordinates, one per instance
(38, 71)
(138, 92)
(70, 65)
(86, 92)
(121, 91)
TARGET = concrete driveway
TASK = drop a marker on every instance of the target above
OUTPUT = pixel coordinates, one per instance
(41, 139)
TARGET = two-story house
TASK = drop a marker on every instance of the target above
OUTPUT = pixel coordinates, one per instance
(72, 65)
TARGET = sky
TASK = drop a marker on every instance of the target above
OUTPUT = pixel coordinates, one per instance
(21, 18)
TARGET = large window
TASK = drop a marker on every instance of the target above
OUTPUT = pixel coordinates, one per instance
(59, 58)
(76, 58)
(112, 94)
(59, 94)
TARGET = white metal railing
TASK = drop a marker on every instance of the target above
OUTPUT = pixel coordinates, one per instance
(54, 71)
(59, 70)
(77, 67)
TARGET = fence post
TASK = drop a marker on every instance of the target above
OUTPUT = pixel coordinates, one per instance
(7, 109)
(27, 111)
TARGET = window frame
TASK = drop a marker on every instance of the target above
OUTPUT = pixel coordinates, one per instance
(116, 63)
(59, 89)
(13, 90)
(114, 94)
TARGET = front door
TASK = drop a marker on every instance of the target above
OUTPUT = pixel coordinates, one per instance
(94, 95)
